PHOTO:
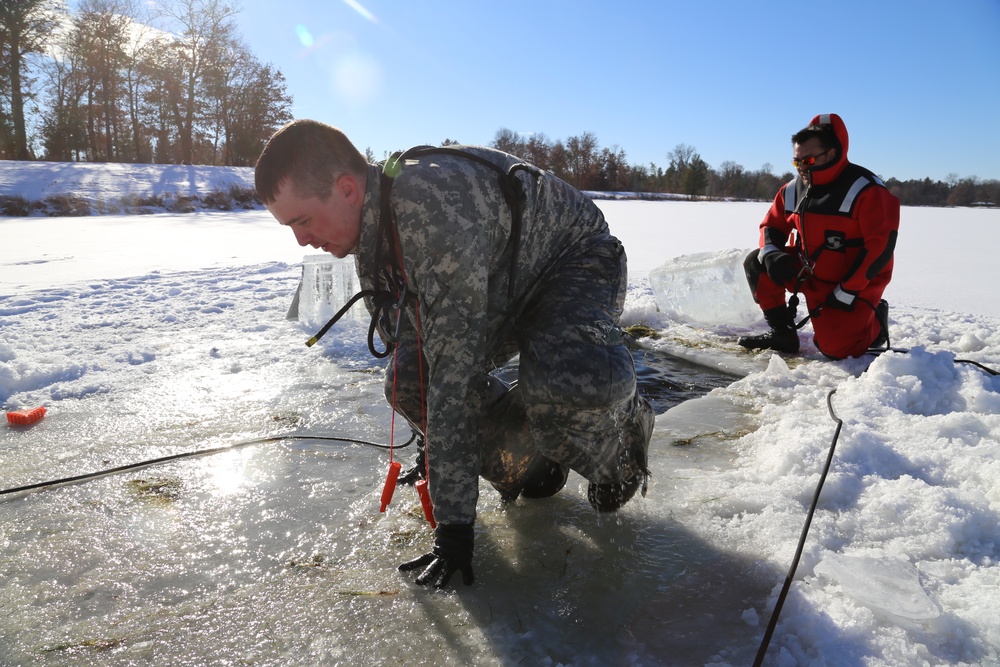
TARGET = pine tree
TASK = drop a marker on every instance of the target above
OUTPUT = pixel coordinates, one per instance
(25, 25)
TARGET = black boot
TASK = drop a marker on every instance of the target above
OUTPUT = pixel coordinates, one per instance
(511, 461)
(882, 315)
(545, 478)
(634, 461)
(782, 337)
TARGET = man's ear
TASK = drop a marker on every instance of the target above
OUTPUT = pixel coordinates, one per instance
(350, 188)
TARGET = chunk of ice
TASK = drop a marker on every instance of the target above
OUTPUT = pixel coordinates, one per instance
(704, 415)
(327, 284)
(885, 583)
(707, 288)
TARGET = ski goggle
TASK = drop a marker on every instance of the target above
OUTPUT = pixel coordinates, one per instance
(807, 161)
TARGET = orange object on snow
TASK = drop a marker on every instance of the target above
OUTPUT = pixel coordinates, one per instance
(25, 417)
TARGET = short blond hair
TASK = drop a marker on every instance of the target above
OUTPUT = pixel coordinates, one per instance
(310, 155)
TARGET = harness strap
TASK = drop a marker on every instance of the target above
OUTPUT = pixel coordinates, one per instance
(390, 272)
(510, 187)
(383, 300)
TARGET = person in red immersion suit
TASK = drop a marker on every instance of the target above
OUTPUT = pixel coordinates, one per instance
(829, 235)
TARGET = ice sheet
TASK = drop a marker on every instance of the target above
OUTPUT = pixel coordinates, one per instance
(882, 583)
(705, 288)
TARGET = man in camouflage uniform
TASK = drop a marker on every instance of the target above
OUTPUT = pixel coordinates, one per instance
(489, 275)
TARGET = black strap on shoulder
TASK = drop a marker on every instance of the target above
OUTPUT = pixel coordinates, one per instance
(510, 187)
(394, 297)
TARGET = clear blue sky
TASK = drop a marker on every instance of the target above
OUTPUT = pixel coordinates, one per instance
(916, 81)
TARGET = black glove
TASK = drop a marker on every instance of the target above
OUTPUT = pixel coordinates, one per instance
(452, 551)
(780, 266)
(840, 299)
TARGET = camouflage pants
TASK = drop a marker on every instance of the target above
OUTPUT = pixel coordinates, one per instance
(576, 385)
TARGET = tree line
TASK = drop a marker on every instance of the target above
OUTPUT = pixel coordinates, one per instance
(115, 82)
(583, 163)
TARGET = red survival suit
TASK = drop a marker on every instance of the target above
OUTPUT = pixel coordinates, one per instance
(843, 225)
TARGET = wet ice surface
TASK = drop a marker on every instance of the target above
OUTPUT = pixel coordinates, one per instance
(276, 556)
(276, 553)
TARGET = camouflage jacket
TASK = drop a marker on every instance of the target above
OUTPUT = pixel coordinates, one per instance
(454, 238)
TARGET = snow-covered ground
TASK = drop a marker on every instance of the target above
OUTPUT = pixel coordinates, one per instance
(151, 335)
(116, 187)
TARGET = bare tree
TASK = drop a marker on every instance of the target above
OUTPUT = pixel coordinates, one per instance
(248, 102)
(537, 151)
(103, 32)
(508, 141)
(201, 28)
(64, 134)
(137, 77)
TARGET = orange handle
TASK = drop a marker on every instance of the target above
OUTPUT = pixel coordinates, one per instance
(425, 500)
(390, 484)
(25, 417)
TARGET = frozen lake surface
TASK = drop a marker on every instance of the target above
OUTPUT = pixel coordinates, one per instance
(153, 335)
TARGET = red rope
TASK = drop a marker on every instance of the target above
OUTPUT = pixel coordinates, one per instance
(392, 418)
(422, 489)
(420, 365)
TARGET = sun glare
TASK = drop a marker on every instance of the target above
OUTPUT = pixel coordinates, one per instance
(356, 6)
(227, 475)
(358, 78)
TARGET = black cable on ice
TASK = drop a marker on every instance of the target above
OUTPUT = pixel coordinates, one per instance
(38, 486)
(759, 660)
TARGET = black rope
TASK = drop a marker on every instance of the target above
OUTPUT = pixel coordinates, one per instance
(38, 486)
(977, 364)
(903, 350)
(759, 660)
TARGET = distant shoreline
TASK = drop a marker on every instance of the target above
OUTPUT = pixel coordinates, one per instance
(55, 189)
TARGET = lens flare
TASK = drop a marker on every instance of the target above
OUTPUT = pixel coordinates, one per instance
(305, 37)
(356, 6)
